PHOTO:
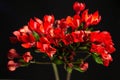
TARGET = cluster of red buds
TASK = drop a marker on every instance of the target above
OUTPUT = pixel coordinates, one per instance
(69, 41)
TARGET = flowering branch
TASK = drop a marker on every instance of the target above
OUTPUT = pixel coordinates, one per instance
(69, 41)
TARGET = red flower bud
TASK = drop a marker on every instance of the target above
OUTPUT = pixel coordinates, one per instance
(78, 7)
(27, 57)
(84, 66)
(12, 65)
(12, 54)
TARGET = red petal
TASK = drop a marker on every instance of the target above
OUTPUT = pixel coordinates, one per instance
(26, 45)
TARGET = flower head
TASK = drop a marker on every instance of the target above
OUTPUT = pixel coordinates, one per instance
(69, 41)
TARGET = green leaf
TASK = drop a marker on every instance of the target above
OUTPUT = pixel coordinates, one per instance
(36, 35)
(37, 51)
(89, 29)
(78, 68)
(23, 63)
(69, 69)
(83, 48)
(58, 61)
(97, 58)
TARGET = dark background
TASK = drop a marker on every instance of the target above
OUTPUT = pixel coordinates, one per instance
(14, 15)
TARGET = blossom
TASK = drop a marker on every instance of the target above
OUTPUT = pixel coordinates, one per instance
(13, 54)
(27, 57)
(78, 36)
(78, 7)
(69, 41)
(12, 65)
(84, 66)
(90, 19)
(25, 36)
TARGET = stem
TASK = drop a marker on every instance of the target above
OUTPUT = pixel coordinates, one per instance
(87, 56)
(55, 71)
(35, 62)
(68, 75)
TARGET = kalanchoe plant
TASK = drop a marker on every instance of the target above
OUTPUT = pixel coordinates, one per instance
(69, 41)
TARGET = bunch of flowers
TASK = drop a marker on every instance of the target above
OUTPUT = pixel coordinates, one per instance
(69, 41)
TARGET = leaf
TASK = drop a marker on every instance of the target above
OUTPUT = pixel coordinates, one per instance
(69, 70)
(89, 29)
(58, 61)
(36, 35)
(83, 48)
(37, 51)
(78, 68)
(97, 58)
(23, 63)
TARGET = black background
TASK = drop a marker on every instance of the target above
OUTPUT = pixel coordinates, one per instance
(14, 15)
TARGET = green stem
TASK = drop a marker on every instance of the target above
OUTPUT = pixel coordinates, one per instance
(35, 62)
(68, 75)
(55, 71)
(87, 57)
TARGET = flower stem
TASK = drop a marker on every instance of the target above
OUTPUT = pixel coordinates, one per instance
(68, 75)
(55, 71)
(35, 62)
(87, 57)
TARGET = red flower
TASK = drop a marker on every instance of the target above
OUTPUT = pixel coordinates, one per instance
(12, 65)
(25, 36)
(106, 59)
(94, 36)
(78, 36)
(84, 66)
(104, 39)
(51, 36)
(46, 48)
(55, 36)
(110, 48)
(58, 33)
(67, 39)
(62, 24)
(90, 19)
(13, 54)
(27, 57)
(95, 18)
(86, 18)
(78, 7)
(44, 40)
(99, 49)
(48, 19)
(36, 25)
(73, 22)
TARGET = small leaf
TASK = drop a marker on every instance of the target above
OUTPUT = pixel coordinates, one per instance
(89, 29)
(69, 70)
(83, 48)
(23, 63)
(78, 68)
(58, 61)
(37, 51)
(97, 58)
(36, 35)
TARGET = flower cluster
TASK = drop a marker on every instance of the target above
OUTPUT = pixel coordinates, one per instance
(69, 41)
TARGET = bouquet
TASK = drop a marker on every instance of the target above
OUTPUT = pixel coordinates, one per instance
(69, 41)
